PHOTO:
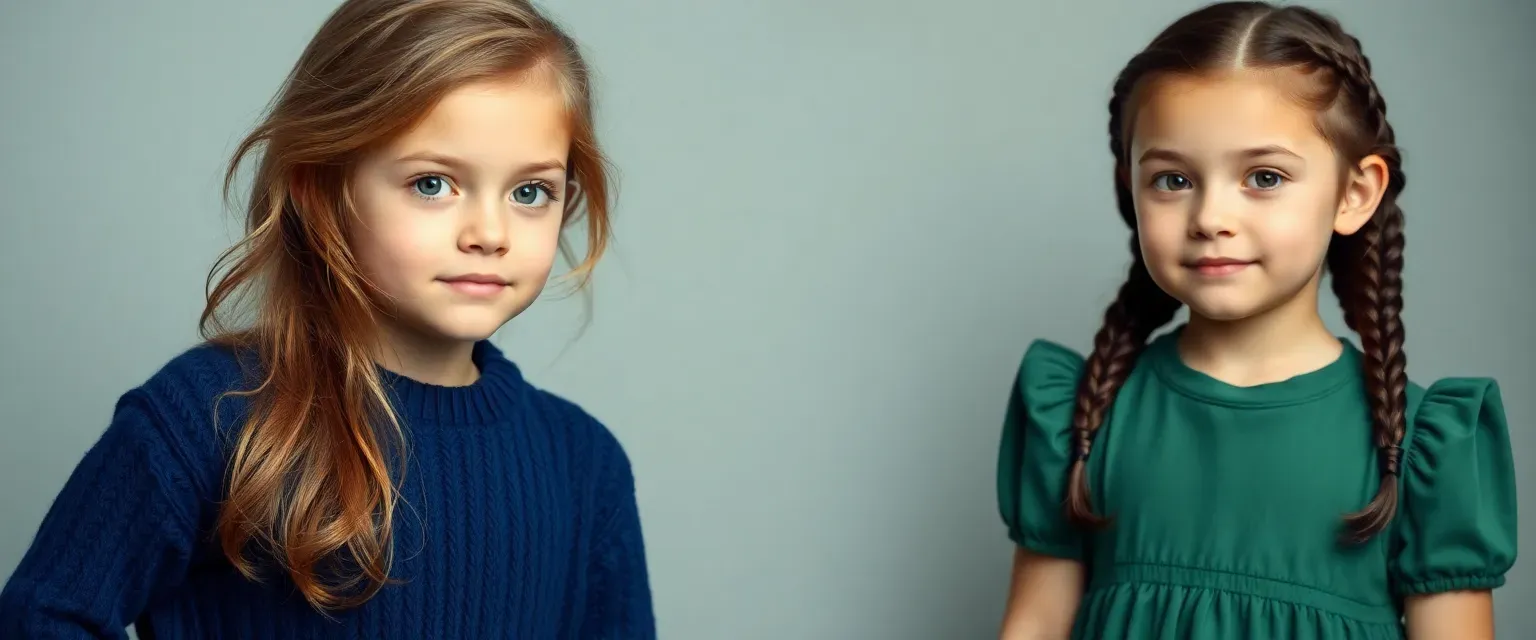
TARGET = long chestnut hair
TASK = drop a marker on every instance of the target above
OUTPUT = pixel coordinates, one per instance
(312, 482)
(1366, 267)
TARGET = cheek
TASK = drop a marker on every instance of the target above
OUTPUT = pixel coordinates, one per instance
(1163, 230)
(392, 243)
(1305, 232)
(535, 242)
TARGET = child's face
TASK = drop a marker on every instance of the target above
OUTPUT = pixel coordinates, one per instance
(459, 218)
(1237, 193)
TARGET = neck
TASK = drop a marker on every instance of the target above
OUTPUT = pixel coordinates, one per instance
(432, 360)
(1271, 346)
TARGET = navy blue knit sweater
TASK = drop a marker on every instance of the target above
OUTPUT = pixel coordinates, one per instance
(518, 520)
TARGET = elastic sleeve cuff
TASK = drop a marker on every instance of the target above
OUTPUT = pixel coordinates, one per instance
(1043, 547)
(1443, 585)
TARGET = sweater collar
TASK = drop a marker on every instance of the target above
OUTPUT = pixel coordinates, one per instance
(490, 399)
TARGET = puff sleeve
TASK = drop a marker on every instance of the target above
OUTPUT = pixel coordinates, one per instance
(1457, 527)
(1036, 449)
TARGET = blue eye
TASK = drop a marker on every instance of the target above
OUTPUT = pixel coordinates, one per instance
(532, 194)
(430, 187)
(1170, 182)
(1264, 180)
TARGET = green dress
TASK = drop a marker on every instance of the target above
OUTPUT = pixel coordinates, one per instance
(1227, 501)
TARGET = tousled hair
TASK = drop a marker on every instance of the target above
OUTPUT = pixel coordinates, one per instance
(312, 482)
(1366, 267)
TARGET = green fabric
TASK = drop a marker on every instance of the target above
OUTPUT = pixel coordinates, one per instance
(1227, 501)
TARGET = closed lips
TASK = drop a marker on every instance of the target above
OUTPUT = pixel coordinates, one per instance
(476, 278)
(476, 284)
(1219, 266)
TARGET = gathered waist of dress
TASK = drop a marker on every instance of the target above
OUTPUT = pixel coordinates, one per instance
(1243, 584)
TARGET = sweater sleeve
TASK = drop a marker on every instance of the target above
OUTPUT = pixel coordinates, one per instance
(119, 533)
(619, 594)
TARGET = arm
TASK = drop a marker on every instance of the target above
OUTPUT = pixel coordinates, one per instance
(1453, 615)
(120, 532)
(618, 582)
(1043, 599)
(1033, 457)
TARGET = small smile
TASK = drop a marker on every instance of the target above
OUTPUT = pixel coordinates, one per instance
(476, 284)
(1219, 266)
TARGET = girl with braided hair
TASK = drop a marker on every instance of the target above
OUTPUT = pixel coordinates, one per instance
(1249, 474)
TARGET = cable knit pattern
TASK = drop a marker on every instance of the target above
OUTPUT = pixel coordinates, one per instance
(518, 520)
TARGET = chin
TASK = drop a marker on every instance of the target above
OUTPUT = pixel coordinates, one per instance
(1222, 314)
(457, 324)
(469, 335)
(1224, 307)
(467, 329)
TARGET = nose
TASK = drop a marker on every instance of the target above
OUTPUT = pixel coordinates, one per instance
(485, 229)
(1212, 216)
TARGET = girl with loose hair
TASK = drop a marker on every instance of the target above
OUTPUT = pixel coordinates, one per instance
(1249, 474)
(348, 455)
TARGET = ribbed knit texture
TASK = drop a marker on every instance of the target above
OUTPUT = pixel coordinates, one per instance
(518, 520)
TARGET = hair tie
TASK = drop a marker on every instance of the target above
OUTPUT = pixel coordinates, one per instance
(1391, 455)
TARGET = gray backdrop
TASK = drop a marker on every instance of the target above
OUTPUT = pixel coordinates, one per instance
(840, 222)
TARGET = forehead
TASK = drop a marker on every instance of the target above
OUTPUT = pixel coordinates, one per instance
(495, 122)
(1226, 110)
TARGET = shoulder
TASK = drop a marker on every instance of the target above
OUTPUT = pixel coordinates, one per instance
(590, 438)
(1048, 375)
(1049, 360)
(206, 369)
(1035, 450)
(598, 463)
(1041, 401)
(1459, 523)
(172, 424)
(1457, 447)
(189, 396)
(1452, 409)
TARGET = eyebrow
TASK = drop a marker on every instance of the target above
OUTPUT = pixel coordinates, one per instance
(459, 164)
(1159, 153)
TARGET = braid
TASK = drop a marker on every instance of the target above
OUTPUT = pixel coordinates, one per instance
(1367, 278)
(1139, 309)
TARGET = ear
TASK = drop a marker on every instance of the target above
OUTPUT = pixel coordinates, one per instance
(1363, 189)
